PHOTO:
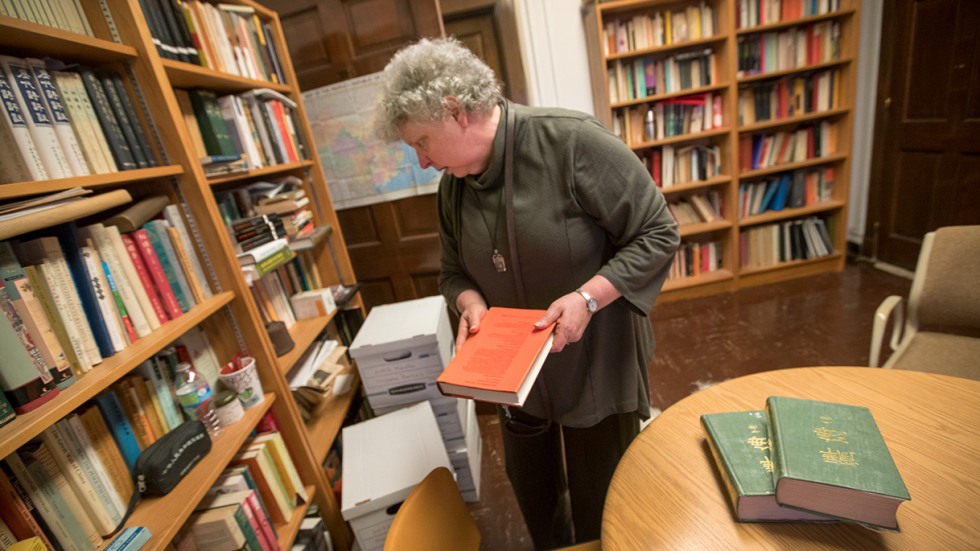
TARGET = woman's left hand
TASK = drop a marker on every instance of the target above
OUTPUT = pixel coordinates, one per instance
(570, 316)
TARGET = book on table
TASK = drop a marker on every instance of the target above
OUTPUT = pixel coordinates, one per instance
(500, 362)
(740, 445)
(832, 460)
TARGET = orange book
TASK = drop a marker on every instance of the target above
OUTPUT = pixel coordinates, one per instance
(499, 363)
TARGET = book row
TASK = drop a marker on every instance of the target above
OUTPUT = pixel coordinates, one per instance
(76, 295)
(798, 47)
(807, 461)
(73, 485)
(224, 37)
(660, 28)
(795, 189)
(771, 244)
(67, 122)
(695, 258)
(648, 76)
(67, 15)
(752, 13)
(254, 129)
(789, 96)
(764, 150)
(668, 118)
(670, 166)
(698, 208)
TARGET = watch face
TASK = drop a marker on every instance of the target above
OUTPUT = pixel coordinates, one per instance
(592, 305)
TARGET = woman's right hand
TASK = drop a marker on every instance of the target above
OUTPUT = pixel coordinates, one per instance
(472, 309)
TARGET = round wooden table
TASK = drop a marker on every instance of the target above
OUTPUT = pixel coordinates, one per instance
(666, 493)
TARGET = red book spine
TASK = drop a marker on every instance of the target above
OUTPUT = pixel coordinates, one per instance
(157, 274)
(17, 515)
(287, 140)
(265, 528)
(151, 291)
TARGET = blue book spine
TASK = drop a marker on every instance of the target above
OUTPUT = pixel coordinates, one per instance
(779, 201)
(68, 238)
(130, 539)
(122, 431)
(156, 241)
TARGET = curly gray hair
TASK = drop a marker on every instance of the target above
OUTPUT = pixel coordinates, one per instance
(420, 77)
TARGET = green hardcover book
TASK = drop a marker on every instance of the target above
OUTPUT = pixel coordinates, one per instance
(740, 445)
(831, 459)
(214, 129)
(7, 412)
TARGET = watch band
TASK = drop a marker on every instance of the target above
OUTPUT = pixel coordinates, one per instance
(590, 303)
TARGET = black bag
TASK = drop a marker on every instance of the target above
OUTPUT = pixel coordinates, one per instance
(165, 462)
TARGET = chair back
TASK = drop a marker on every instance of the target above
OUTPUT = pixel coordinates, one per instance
(944, 291)
(433, 517)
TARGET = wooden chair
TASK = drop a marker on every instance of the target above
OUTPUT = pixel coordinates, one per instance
(941, 331)
(434, 517)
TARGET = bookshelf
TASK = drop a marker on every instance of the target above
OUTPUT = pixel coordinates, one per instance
(230, 318)
(778, 72)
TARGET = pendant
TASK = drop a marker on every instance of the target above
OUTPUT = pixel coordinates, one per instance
(498, 261)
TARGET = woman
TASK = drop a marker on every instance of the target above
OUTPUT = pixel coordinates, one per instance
(542, 208)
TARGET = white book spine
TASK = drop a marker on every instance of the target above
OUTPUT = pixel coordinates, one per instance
(61, 303)
(23, 162)
(107, 251)
(64, 279)
(80, 107)
(78, 438)
(63, 126)
(44, 507)
(172, 214)
(104, 297)
(71, 466)
(36, 115)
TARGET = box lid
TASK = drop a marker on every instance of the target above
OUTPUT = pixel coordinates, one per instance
(386, 457)
(392, 327)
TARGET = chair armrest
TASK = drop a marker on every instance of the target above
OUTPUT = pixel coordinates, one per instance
(884, 311)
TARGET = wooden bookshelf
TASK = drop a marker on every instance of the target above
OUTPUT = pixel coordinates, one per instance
(230, 319)
(609, 56)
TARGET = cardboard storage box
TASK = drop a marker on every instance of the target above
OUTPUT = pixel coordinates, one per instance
(465, 455)
(384, 459)
(401, 349)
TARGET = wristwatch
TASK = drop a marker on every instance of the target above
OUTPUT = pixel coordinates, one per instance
(590, 303)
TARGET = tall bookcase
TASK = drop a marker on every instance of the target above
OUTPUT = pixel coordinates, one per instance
(231, 319)
(778, 69)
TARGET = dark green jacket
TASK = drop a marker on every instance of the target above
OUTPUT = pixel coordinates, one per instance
(583, 204)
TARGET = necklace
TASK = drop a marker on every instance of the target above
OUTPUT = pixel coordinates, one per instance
(498, 259)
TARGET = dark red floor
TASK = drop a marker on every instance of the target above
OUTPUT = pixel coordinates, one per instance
(820, 320)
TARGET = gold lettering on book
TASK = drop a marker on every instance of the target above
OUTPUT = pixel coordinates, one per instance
(766, 463)
(837, 457)
(759, 443)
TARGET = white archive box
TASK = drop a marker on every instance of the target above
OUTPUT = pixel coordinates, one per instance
(384, 459)
(466, 454)
(450, 414)
(401, 349)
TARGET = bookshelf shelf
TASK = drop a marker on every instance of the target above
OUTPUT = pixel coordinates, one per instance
(754, 174)
(22, 189)
(773, 216)
(670, 48)
(792, 121)
(707, 278)
(186, 75)
(744, 79)
(230, 320)
(701, 184)
(264, 172)
(714, 25)
(40, 40)
(158, 513)
(680, 93)
(27, 426)
(843, 12)
(324, 427)
(303, 333)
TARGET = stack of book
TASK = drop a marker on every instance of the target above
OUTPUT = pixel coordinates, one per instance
(805, 460)
(71, 485)
(72, 296)
(67, 15)
(254, 129)
(67, 121)
(259, 491)
(312, 378)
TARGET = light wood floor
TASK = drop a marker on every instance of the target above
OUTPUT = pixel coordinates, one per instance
(820, 320)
